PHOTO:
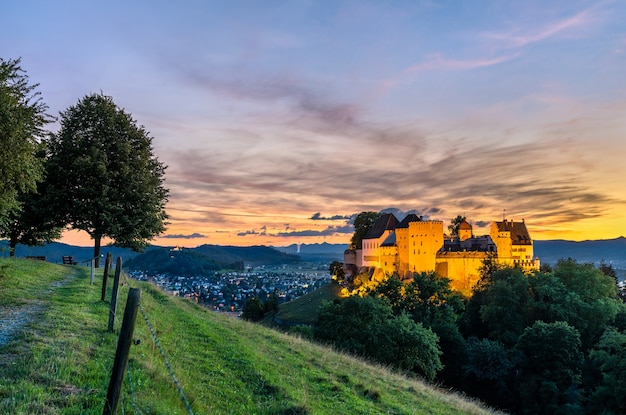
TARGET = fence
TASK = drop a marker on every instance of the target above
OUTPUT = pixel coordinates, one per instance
(121, 367)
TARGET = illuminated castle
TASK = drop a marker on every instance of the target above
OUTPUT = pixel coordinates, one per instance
(413, 245)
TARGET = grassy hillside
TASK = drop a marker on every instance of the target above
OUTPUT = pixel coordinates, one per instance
(57, 360)
(304, 310)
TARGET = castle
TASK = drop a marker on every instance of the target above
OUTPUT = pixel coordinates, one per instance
(414, 245)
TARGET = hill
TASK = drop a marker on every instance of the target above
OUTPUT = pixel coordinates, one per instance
(226, 256)
(186, 263)
(323, 252)
(304, 309)
(250, 255)
(608, 250)
(56, 357)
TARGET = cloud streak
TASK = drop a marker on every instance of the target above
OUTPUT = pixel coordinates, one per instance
(182, 236)
(520, 38)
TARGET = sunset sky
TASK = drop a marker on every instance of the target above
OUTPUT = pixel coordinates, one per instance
(281, 120)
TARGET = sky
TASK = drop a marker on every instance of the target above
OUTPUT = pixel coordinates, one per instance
(279, 121)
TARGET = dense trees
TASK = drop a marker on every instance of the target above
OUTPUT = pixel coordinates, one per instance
(542, 330)
(103, 176)
(22, 120)
(549, 342)
(367, 327)
(550, 368)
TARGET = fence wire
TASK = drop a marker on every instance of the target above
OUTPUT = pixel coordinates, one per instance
(132, 393)
(163, 355)
(167, 363)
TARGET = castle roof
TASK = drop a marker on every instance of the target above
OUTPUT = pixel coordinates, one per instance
(390, 240)
(476, 244)
(465, 226)
(387, 221)
(518, 230)
(411, 217)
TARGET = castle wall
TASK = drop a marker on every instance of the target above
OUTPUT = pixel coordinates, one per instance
(371, 250)
(425, 238)
(402, 241)
(389, 259)
(462, 268)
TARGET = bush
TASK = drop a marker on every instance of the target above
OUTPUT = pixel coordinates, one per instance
(368, 328)
(253, 310)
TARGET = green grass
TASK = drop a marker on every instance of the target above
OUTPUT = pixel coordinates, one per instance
(304, 309)
(61, 362)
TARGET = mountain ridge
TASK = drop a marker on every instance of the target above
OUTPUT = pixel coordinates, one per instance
(549, 251)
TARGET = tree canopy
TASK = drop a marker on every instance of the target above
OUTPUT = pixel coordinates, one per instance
(33, 223)
(22, 120)
(103, 177)
(455, 224)
(362, 223)
(367, 327)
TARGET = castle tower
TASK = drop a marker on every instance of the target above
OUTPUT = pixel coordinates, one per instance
(465, 231)
(514, 245)
(425, 240)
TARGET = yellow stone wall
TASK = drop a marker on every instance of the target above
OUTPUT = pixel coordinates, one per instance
(424, 240)
(389, 259)
(402, 241)
(462, 268)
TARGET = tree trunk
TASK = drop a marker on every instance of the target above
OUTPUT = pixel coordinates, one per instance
(12, 243)
(96, 250)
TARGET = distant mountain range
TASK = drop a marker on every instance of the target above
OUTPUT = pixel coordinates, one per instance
(223, 255)
(612, 251)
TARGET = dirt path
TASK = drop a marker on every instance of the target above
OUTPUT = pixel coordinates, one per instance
(15, 318)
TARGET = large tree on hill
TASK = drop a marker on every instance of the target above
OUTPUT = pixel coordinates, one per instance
(103, 177)
(33, 223)
(22, 120)
(362, 223)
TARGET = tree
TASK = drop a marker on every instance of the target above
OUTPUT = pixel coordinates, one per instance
(490, 371)
(31, 224)
(504, 311)
(22, 120)
(455, 224)
(362, 223)
(609, 356)
(103, 177)
(253, 310)
(336, 271)
(551, 367)
(367, 327)
(592, 300)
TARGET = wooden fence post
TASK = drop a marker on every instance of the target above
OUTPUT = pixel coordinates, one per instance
(105, 277)
(121, 354)
(92, 274)
(116, 287)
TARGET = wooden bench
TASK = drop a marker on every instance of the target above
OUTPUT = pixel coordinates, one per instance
(69, 260)
(36, 257)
